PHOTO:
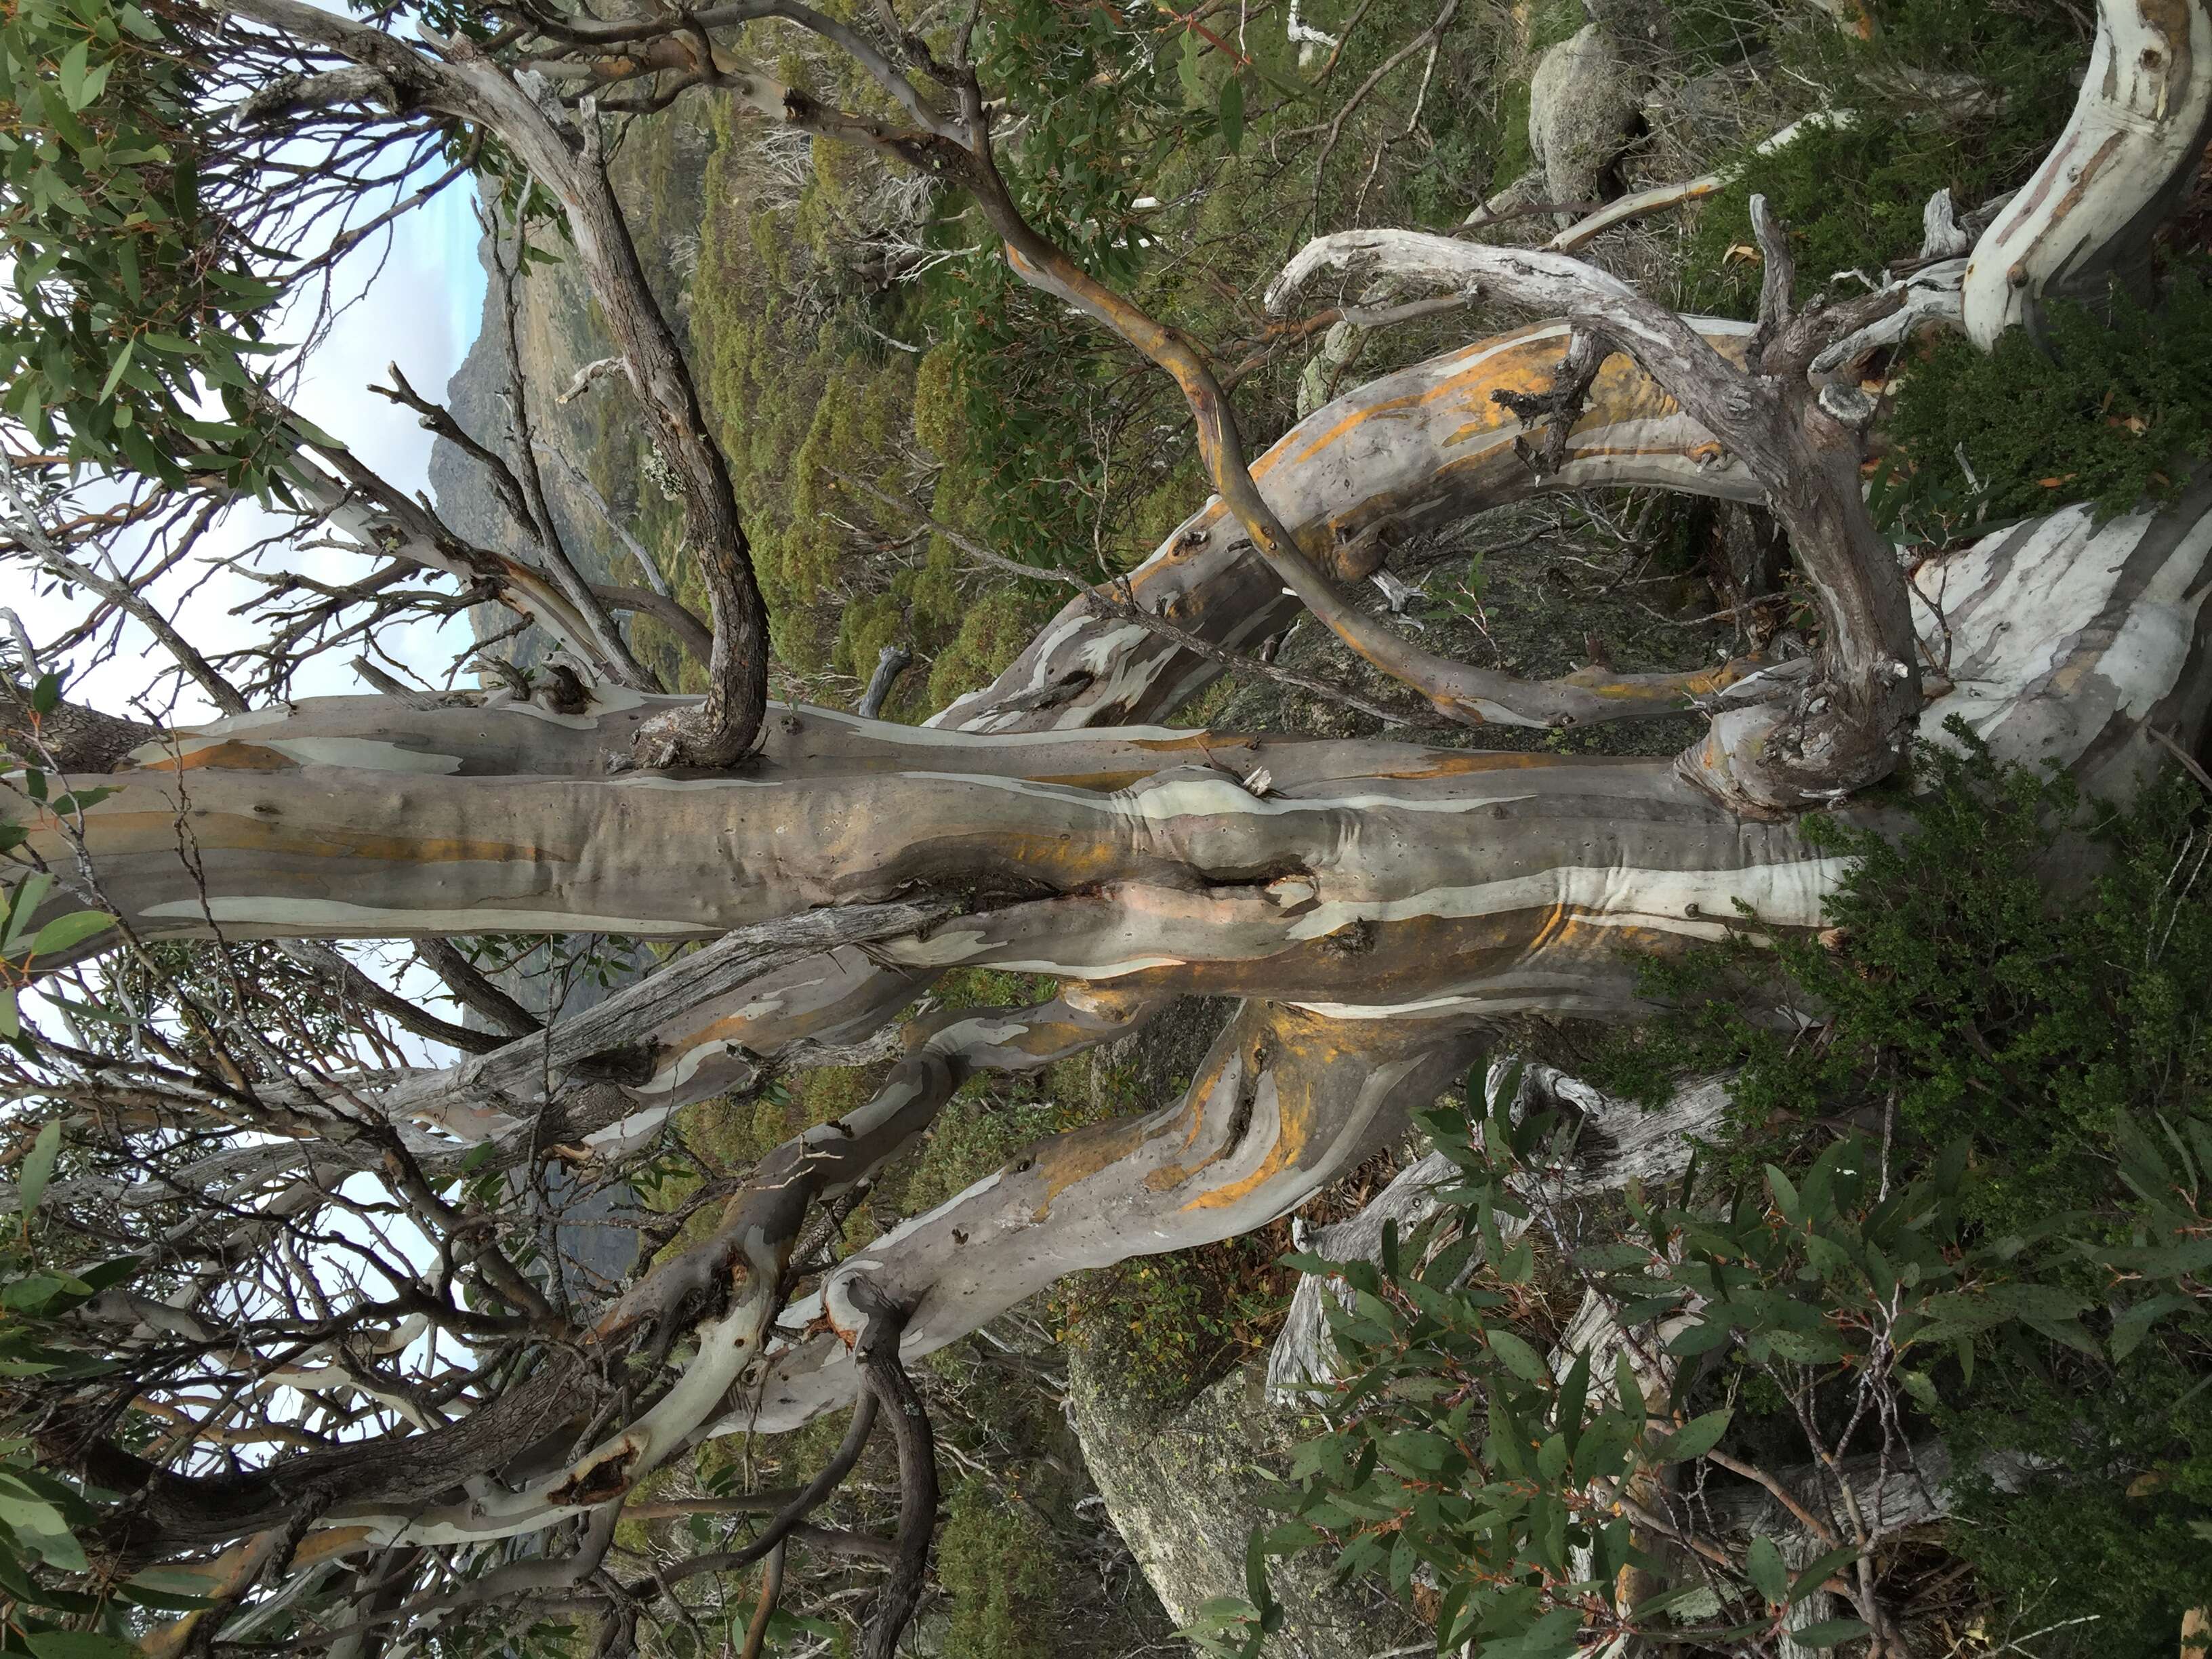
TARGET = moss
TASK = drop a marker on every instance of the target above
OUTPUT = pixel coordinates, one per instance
(937, 397)
(1166, 1326)
(1516, 154)
(991, 988)
(1002, 1568)
(2109, 408)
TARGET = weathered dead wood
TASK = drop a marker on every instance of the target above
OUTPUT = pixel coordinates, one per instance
(1845, 731)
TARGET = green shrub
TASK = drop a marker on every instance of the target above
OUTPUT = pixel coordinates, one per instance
(2110, 408)
(1002, 1568)
(1717, 31)
(1166, 1326)
(1979, 978)
(1553, 21)
(1954, 93)
(1966, 1193)
(2123, 1553)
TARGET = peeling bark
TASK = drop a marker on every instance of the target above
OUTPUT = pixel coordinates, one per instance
(1423, 445)
(1848, 728)
(1286, 1100)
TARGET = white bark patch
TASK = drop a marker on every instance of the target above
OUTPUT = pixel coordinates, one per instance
(2039, 654)
(314, 915)
(869, 1261)
(252, 720)
(1220, 797)
(1425, 1006)
(1788, 894)
(2139, 122)
(952, 947)
(981, 1033)
(686, 1064)
(951, 720)
(1216, 796)
(654, 781)
(364, 754)
(946, 948)
(930, 736)
(617, 1139)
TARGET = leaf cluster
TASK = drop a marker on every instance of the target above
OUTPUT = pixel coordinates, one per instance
(132, 295)
(55, 1601)
(1966, 1198)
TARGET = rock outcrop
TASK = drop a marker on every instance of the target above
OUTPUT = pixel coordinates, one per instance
(1585, 107)
(1183, 1492)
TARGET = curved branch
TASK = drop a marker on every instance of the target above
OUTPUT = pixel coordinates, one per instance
(473, 990)
(470, 87)
(877, 1354)
(1284, 1100)
(1426, 444)
(1848, 731)
(2085, 221)
(348, 982)
(786, 1519)
(771, 1589)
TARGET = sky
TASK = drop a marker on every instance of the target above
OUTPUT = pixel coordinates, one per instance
(420, 310)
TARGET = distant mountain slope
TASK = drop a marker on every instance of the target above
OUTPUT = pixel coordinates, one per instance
(658, 167)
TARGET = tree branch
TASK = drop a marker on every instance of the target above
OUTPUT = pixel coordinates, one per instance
(877, 1354)
(473, 990)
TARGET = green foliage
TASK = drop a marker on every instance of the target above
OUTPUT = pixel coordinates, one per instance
(2051, 1018)
(1002, 1568)
(1717, 31)
(1551, 21)
(1090, 156)
(21, 944)
(1166, 1326)
(1982, 980)
(1948, 93)
(1973, 1183)
(2110, 408)
(129, 287)
(1030, 430)
(2120, 1554)
(58, 1605)
(1463, 1450)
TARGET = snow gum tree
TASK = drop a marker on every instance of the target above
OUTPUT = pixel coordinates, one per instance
(249, 1195)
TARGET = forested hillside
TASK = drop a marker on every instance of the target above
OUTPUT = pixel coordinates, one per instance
(877, 375)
